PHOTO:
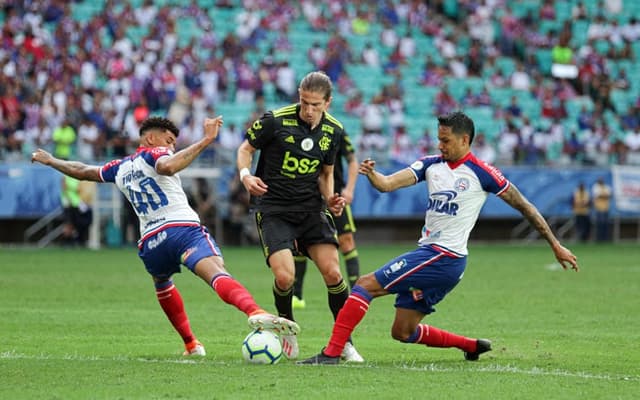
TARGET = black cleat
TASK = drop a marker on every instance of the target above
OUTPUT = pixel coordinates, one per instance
(320, 359)
(482, 346)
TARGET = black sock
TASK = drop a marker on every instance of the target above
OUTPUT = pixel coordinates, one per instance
(353, 266)
(337, 295)
(283, 301)
(301, 270)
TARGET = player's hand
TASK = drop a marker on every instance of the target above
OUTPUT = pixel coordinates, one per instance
(336, 204)
(566, 258)
(367, 166)
(212, 126)
(41, 156)
(254, 185)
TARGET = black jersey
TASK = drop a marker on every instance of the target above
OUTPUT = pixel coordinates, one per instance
(291, 158)
(344, 152)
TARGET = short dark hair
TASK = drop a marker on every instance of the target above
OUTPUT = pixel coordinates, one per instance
(158, 123)
(318, 82)
(460, 124)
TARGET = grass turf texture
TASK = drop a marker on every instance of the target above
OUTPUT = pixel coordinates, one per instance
(79, 324)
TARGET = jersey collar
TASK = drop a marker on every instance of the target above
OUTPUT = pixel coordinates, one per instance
(454, 165)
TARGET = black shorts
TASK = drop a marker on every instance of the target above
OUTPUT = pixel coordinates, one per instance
(294, 231)
(345, 222)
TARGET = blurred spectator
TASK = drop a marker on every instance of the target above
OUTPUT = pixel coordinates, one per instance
(632, 139)
(317, 55)
(573, 148)
(579, 11)
(402, 148)
(370, 55)
(227, 143)
(513, 109)
(601, 204)
(202, 198)
(581, 205)
(64, 136)
(585, 119)
(520, 79)
(444, 102)
(89, 141)
(285, 82)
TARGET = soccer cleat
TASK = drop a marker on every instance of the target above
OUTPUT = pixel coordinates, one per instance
(290, 347)
(482, 346)
(195, 348)
(350, 354)
(279, 325)
(298, 303)
(320, 359)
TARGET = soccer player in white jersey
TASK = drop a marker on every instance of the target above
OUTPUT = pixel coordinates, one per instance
(458, 184)
(170, 230)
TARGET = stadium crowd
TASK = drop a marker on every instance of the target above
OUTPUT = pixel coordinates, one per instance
(551, 82)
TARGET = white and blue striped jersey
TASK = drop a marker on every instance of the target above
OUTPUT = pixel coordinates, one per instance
(457, 192)
(159, 200)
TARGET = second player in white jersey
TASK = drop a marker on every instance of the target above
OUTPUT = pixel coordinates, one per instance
(158, 200)
(457, 191)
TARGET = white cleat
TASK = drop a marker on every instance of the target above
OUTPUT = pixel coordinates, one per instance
(195, 350)
(281, 326)
(350, 354)
(290, 347)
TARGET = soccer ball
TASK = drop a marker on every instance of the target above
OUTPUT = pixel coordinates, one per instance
(262, 347)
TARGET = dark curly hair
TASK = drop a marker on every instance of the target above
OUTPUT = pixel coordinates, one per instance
(158, 123)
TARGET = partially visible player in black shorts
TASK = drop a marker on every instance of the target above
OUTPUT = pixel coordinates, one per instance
(292, 189)
(344, 223)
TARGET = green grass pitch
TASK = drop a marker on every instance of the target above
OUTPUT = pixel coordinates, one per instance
(81, 324)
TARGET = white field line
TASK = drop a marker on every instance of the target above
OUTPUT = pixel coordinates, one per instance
(490, 368)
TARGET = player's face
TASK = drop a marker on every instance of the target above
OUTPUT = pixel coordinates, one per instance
(312, 106)
(453, 147)
(161, 138)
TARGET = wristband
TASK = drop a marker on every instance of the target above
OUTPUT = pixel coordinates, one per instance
(244, 172)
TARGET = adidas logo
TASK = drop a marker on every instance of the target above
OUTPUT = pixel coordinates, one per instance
(290, 139)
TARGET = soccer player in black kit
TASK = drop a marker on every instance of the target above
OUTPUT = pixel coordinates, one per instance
(293, 193)
(345, 224)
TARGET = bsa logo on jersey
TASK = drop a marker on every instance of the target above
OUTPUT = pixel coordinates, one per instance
(461, 184)
(307, 144)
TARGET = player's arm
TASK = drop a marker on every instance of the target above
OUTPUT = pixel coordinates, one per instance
(74, 169)
(352, 178)
(335, 202)
(254, 185)
(515, 199)
(387, 183)
(180, 160)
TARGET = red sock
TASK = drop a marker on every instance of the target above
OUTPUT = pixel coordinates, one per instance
(172, 305)
(434, 337)
(232, 292)
(350, 315)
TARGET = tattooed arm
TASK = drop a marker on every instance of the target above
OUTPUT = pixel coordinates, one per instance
(515, 199)
(183, 158)
(74, 169)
